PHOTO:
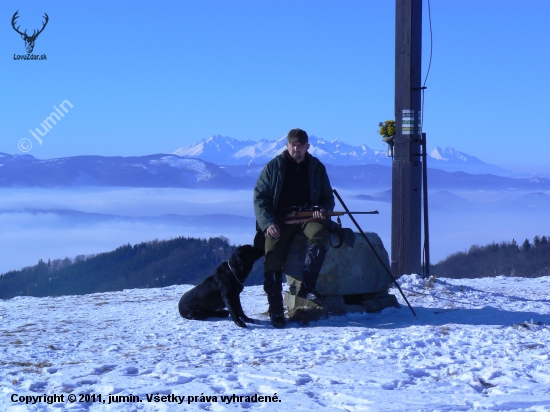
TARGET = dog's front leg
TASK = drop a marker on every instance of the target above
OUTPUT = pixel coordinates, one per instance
(240, 310)
(233, 305)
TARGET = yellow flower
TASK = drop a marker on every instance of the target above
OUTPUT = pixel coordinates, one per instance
(387, 129)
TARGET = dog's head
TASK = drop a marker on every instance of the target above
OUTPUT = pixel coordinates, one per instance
(243, 259)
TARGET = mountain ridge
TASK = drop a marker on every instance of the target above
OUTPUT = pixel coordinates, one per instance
(227, 151)
(169, 170)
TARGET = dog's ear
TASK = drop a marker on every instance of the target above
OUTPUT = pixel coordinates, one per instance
(236, 258)
(244, 257)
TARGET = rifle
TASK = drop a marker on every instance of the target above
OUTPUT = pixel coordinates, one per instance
(301, 214)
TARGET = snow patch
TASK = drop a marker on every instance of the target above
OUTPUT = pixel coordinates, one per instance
(197, 166)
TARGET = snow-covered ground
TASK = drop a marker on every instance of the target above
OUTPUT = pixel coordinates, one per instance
(462, 353)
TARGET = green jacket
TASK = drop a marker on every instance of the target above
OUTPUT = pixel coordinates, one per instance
(270, 183)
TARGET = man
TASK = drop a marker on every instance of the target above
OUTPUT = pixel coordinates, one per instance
(293, 178)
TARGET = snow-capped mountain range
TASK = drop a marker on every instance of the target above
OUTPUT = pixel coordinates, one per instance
(228, 151)
(223, 150)
(170, 170)
(223, 162)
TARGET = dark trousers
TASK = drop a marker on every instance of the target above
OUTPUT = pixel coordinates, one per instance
(276, 250)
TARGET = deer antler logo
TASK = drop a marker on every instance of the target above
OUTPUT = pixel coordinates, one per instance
(29, 40)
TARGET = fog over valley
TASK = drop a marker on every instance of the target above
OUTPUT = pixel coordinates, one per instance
(41, 223)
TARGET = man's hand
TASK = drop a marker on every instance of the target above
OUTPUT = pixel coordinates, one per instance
(273, 231)
(320, 215)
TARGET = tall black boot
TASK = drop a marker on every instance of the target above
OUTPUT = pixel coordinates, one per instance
(273, 287)
(315, 256)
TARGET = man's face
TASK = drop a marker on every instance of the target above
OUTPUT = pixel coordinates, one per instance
(297, 150)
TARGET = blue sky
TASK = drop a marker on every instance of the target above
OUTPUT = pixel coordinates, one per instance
(149, 77)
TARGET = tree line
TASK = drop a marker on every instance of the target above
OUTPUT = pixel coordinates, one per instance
(186, 260)
(498, 259)
(154, 264)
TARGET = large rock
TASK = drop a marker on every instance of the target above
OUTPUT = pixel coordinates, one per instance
(351, 269)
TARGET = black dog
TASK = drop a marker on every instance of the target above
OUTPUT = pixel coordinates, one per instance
(222, 289)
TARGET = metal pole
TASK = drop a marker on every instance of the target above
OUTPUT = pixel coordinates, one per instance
(406, 168)
(425, 199)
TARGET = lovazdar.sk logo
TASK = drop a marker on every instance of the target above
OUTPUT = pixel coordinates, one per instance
(29, 40)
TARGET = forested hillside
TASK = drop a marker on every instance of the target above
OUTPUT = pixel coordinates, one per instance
(506, 258)
(190, 260)
(145, 265)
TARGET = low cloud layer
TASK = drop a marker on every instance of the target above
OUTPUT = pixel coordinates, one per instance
(54, 224)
